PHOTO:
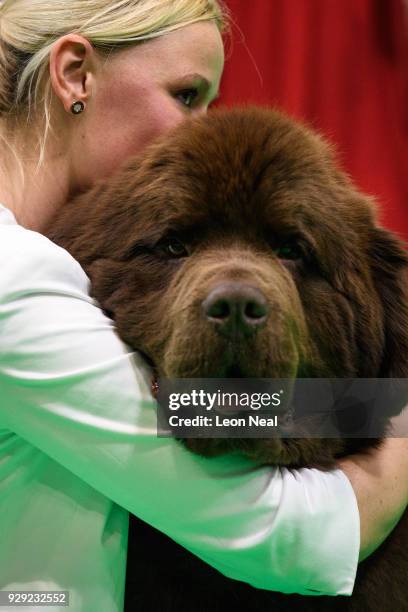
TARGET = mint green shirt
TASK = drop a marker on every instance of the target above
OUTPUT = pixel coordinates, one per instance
(78, 451)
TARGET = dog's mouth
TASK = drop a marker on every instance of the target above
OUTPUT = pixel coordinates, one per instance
(234, 371)
(272, 450)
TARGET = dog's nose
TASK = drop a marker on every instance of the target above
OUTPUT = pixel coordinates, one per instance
(236, 308)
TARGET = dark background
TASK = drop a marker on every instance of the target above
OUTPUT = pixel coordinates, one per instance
(342, 65)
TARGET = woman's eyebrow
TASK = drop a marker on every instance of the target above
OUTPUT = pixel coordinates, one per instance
(205, 84)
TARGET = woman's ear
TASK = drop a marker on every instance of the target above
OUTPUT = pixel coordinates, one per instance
(72, 63)
(389, 264)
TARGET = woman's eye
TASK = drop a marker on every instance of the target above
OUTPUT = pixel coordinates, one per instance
(175, 249)
(187, 97)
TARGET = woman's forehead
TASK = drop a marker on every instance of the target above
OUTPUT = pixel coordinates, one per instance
(192, 51)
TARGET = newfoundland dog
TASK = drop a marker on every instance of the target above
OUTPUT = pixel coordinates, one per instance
(235, 247)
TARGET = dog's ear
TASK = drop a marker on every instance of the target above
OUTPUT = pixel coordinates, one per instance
(389, 263)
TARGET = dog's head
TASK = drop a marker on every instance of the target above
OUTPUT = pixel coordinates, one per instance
(235, 247)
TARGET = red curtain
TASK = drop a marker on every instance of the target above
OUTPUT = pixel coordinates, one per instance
(343, 66)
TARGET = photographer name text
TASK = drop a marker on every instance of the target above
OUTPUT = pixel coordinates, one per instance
(218, 421)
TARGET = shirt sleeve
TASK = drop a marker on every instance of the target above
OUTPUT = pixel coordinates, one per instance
(69, 386)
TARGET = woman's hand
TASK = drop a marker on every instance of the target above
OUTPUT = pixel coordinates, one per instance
(379, 478)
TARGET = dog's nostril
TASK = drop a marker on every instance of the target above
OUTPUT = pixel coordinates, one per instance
(255, 309)
(220, 309)
(235, 308)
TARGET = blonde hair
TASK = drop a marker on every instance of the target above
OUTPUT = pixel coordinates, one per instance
(29, 28)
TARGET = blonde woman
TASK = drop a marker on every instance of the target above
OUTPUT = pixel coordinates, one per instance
(83, 85)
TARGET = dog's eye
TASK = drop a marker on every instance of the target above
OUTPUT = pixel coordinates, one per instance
(174, 248)
(290, 251)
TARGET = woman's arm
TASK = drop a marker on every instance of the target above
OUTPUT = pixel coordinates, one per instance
(69, 387)
(380, 481)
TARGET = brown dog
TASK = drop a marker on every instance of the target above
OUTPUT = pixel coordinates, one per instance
(236, 248)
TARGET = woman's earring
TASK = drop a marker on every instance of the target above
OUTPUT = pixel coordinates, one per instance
(77, 107)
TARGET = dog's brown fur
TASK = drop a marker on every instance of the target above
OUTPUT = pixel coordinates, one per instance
(234, 189)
